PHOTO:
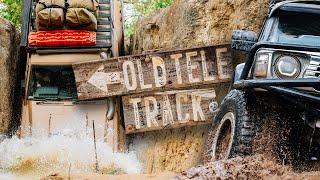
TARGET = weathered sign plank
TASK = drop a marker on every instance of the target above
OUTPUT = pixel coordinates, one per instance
(157, 71)
(171, 109)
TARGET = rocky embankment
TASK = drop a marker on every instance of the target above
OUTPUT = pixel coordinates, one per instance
(188, 23)
(8, 65)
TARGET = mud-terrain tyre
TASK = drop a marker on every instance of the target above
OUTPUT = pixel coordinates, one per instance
(233, 128)
(245, 126)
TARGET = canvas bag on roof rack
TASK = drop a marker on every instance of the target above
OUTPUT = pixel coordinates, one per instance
(82, 14)
(66, 14)
(80, 18)
(50, 14)
(91, 5)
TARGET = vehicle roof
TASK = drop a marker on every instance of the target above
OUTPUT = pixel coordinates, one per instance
(310, 6)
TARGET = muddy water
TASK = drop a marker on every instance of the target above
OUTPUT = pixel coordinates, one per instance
(253, 167)
(66, 152)
(73, 153)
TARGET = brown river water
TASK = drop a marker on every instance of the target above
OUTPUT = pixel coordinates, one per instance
(66, 153)
(70, 155)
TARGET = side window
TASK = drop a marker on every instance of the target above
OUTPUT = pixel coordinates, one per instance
(267, 30)
(261, 33)
(274, 34)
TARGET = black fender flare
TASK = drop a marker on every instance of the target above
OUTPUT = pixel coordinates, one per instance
(237, 74)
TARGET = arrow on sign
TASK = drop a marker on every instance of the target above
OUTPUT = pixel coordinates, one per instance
(100, 79)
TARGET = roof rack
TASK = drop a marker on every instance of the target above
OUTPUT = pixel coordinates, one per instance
(103, 34)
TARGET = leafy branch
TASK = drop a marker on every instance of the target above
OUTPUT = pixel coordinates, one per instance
(140, 8)
(12, 10)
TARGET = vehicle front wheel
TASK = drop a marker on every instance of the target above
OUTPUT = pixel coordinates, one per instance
(245, 126)
(222, 143)
(233, 128)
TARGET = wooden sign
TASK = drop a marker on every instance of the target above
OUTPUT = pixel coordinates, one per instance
(171, 109)
(157, 71)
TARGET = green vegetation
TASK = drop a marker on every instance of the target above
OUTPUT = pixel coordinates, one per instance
(140, 8)
(11, 10)
(145, 7)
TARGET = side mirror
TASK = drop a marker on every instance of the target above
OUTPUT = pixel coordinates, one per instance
(243, 40)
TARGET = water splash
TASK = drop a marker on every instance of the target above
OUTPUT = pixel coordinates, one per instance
(60, 153)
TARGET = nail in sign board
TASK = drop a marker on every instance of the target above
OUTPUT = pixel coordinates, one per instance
(159, 71)
(170, 109)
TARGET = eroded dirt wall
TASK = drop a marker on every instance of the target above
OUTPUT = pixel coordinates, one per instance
(188, 23)
(172, 150)
(8, 65)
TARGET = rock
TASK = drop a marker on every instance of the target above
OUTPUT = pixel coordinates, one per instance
(8, 76)
(188, 23)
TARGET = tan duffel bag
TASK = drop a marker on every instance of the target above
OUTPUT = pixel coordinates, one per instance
(50, 18)
(91, 5)
(50, 14)
(43, 4)
(81, 18)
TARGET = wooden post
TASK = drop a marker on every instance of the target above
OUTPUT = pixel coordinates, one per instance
(49, 128)
(95, 146)
(69, 172)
